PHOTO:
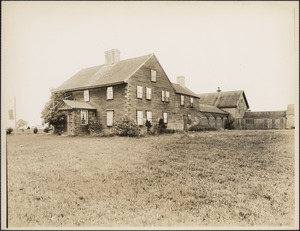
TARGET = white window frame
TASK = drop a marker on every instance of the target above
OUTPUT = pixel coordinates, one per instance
(167, 96)
(82, 114)
(163, 96)
(153, 75)
(86, 95)
(165, 117)
(109, 93)
(109, 120)
(149, 116)
(182, 100)
(140, 117)
(192, 101)
(148, 93)
(139, 92)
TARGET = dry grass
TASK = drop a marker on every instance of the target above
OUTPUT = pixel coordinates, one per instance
(211, 178)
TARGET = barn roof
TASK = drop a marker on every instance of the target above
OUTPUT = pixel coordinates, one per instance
(183, 90)
(72, 104)
(211, 109)
(227, 98)
(265, 114)
(104, 75)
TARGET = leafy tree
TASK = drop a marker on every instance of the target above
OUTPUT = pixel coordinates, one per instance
(51, 114)
(21, 123)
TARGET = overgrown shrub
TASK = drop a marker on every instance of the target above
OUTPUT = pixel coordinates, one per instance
(46, 129)
(126, 127)
(35, 130)
(148, 125)
(94, 127)
(161, 127)
(9, 130)
(229, 124)
(200, 128)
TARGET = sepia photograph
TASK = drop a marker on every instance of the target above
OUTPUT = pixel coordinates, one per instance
(149, 115)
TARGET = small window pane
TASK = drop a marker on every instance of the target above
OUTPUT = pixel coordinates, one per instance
(140, 117)
(109, 118)
(86, 95)
(148, 93)
(84, 117)
(153, 76)
(139, 92)
(165, 116)
(109, 93)
(149, 116)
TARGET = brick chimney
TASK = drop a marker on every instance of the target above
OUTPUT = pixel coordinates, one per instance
(112, 56)
(180, 80)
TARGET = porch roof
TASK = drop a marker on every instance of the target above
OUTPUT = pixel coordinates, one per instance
(72, 104)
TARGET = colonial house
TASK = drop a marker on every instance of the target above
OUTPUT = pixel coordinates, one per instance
(232, 102)
(138, 88)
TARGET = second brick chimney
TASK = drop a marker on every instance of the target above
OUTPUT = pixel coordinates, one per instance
(180, 80)
(112, 56)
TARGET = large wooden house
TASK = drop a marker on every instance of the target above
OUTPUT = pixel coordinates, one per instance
(138, 88)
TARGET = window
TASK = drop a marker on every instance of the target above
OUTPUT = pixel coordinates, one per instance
(84, 117)
(192, 101)
(163, 96)
(86, 95)
(148, 93)
(149, 116)
(109, 117)
(165, 117)
(167, 96)
(139, 93)
(109, 93)
(182, 100)
(189, 119)
(153, 75)
(139, 117)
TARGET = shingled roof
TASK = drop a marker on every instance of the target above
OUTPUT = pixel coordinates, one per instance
(183, 90)
(211, 109)
(265, 114)
(104, 75)
(222, 99)
(72, 104)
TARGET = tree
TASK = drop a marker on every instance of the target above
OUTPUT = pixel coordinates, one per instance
(51, 114)
(21, 123)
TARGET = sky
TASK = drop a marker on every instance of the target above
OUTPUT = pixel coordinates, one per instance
(250, 46)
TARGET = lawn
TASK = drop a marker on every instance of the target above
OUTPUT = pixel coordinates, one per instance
(240, 178)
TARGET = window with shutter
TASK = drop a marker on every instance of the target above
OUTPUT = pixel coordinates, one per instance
(139, 119)
(165, 117)
(182, 100)
(149, 116)
(163, 96)
(109, 118)
(139, 94)
(109, 93)
(148, 93)
(167, 96)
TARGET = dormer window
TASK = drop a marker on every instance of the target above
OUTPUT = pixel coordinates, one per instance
(109, 93)
(182, 100)
(86, 95)
(153, 75)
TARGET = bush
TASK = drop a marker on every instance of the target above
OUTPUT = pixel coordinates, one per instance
(35, 130)
(229, 124)
(161, 126)
(148, 125)
(46, 129)
(126, 127)
(94, 127)
(9, 130)
(200, 128)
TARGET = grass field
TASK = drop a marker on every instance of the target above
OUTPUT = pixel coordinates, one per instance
(240, 178)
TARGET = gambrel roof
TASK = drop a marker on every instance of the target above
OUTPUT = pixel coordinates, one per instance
(183, 90)
(72, 104)
(222, 99)
(104, 75)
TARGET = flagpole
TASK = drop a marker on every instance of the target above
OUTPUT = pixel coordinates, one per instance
(15, 117)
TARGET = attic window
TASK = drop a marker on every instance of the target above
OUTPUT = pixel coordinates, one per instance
(86, 95)
(153, 75)
(109, 93)
(163, 96)
(139, 93)
(167, 96)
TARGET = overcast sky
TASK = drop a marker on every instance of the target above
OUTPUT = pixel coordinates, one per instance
(250, 46)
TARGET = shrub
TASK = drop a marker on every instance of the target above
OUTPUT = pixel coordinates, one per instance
(229, 124)
(46, 129)
(200, 128)
(35, 130)
(148, 125)
(126, 127)
(9, 130)
(94, 127)
(161, 126)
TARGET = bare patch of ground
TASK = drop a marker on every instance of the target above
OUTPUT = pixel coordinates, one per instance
(198, 179)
